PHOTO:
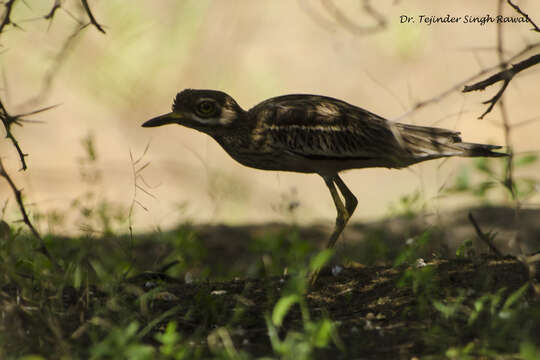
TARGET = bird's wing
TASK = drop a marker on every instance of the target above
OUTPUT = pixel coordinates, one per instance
(324, 128)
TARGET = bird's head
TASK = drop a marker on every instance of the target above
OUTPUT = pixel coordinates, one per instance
(204, 110)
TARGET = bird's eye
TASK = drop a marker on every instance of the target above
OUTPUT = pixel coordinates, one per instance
(206, 108)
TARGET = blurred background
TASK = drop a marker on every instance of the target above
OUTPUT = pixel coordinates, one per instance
(106, 85)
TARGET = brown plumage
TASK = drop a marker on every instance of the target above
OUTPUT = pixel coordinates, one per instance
(314, 134)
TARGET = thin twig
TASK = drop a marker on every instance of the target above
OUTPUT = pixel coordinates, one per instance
(526, 122)
(307, 7)
(509, 177)
(423, 103)
(485, 238)
(8, 120)
(93, 20)
(350, 25)
(370, 10)
(56, 65)
(7, 15)
(57, 5)
(137, 176)
(521, 12)
(505, 75)
(18, 197)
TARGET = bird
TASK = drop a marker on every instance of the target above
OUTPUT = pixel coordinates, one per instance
(314, 134)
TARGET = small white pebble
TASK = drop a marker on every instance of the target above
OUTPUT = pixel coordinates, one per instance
(189, 278)
(336, 270)
(505, 315)
(409, 241)
(420, 263)
(218, 292)
(368, 325)
(149, 284)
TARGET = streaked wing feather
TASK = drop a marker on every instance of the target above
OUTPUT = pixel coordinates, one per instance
(322, 127)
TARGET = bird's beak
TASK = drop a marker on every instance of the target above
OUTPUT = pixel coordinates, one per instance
(170, 118)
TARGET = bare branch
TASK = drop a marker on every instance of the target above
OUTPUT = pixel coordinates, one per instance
(521, 12)
(526, 122)
(503, 64)
(7, 15)
(322, 21)
(381, 21)
(59, 60)
(93, 20)
(485, 238)
(420, 104)
(57, 5)
(8, 120)
(350, 25)
(505, 76)
(33, 112)
(18, 197)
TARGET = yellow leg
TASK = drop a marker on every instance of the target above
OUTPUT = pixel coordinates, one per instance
(350, 199)
(344, 211)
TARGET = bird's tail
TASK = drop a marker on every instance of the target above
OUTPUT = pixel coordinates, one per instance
(430, 143)
(473, 150)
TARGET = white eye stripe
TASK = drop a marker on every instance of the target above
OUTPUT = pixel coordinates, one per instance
(206, 121)
(213, 120)
(227, 116)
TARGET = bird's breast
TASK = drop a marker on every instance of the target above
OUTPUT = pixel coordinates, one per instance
(260, 155)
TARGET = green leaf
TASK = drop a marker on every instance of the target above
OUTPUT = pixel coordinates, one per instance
(528, 351)
(323, 333)
(463, 182)
(515, 297)
(481, 189)
(525, 186)
(77, 277)
(444, 309)
(483, 165)
(525, 160)
(282, 308)
(321, 259)
(152, 324)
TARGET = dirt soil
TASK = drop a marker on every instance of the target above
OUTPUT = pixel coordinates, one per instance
(377, 318)
(378, 313)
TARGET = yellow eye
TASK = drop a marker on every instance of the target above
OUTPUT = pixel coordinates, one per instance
(206, 108)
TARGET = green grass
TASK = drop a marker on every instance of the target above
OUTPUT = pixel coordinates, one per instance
(124, 296)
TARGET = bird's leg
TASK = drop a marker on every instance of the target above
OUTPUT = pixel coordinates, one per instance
(350, 200)
(344, 211)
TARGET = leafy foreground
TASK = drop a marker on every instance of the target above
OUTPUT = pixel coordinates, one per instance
(481, 307)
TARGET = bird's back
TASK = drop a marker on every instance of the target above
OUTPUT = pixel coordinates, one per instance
(330, 134)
